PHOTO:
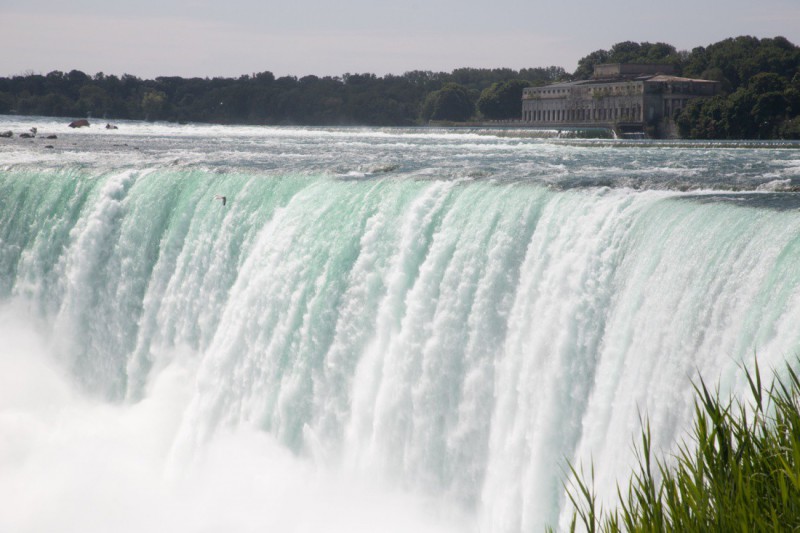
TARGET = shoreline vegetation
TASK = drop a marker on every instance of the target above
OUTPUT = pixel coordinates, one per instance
(739, 470)
(760, 93)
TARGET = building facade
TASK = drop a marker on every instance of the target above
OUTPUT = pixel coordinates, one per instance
(627, 97)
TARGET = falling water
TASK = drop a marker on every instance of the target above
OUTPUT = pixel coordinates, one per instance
(380, 329)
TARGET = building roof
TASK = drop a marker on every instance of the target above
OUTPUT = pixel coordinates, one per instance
(662, 78)
(678, 79)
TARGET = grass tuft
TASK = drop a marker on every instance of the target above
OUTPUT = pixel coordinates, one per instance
(740, 470)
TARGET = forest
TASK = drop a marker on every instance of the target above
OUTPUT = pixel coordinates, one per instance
(760, 96)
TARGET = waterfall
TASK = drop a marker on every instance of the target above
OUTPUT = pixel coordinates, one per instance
(457, 340)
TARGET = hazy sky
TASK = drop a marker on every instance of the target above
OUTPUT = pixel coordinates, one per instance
(150, 38)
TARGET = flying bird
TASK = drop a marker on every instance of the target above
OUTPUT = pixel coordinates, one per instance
(223, 198)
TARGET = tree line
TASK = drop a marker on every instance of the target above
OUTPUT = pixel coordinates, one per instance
(261, 98)
(760, 93)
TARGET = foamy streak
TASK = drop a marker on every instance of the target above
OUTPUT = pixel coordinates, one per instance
(456, 339)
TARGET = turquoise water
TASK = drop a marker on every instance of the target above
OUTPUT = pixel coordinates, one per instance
(432, 321)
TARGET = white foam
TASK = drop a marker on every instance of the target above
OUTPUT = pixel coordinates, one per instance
(776, 185)
(72, 463)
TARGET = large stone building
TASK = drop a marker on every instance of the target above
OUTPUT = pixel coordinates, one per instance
(626, 97)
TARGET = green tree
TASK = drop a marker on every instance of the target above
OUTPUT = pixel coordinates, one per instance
(790, 129)
(766, 82)
(93, 100)
(768, 113)
(503, 100)
(6, 102)
(587, 63)
(759, 97)
(451, 103)
(630, 52)
(153, 103)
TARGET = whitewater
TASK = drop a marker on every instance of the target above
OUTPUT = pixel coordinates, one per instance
(382, 330)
